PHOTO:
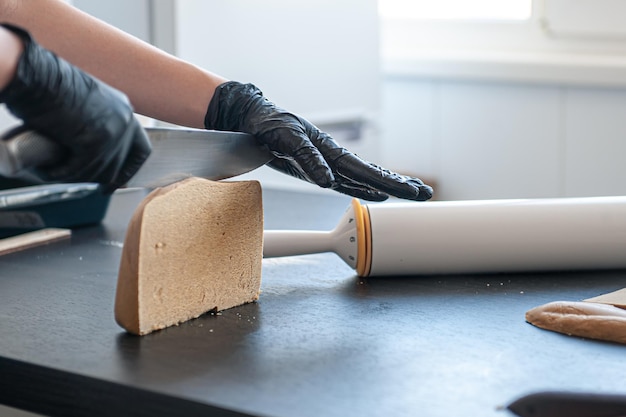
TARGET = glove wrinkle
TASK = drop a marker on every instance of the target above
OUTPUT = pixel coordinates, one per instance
(289, 167)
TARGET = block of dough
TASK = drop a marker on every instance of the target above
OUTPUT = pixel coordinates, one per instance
(191, 247)
(581, 318)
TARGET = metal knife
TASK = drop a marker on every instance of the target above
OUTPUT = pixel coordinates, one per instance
(177, 153)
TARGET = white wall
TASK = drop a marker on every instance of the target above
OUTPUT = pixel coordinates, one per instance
(131, 16)
(502, 109)
(6, 120)
(319, 58)
(506, 140)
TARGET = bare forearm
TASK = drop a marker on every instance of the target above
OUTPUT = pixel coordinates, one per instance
(158, 84)
(10, 50)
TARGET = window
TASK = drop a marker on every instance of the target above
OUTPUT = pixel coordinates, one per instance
(466, 26)
(456, 9)
(574, 41)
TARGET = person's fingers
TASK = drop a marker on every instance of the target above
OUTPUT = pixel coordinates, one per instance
(350, 166)
(342, 185)
(358, 178)
(289, 167)
(297, 146)
(360, 171)
(361, 192)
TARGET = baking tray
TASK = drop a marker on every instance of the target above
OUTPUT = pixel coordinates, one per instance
(28, 208)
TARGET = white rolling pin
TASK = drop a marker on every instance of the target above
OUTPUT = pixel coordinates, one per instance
(469, 236)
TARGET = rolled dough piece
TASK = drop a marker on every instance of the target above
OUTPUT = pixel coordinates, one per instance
(583, 319)
(192, 247)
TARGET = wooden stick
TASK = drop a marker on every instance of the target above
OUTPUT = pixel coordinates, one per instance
(32, 239)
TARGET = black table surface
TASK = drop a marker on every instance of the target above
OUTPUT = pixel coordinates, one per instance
(319, 342)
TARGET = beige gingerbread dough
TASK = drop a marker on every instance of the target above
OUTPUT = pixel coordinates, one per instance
(192, 247)
(602, 318)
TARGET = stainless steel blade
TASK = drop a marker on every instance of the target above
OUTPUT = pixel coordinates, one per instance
(180, 153)
(177, 153)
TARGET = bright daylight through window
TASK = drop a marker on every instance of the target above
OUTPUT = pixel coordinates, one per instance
(456, 9)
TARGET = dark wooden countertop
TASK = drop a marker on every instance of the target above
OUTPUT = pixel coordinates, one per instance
(320, 341)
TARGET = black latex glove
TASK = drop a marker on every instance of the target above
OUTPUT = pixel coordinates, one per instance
(95, 123)
(302, 150)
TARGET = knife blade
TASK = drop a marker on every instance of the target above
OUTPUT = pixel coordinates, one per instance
(177, 153)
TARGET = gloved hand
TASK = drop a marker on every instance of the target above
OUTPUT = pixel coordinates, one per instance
(95, 123)
(302, 150)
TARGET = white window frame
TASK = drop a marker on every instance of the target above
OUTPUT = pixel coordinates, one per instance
(542, 49)
(456, 9)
